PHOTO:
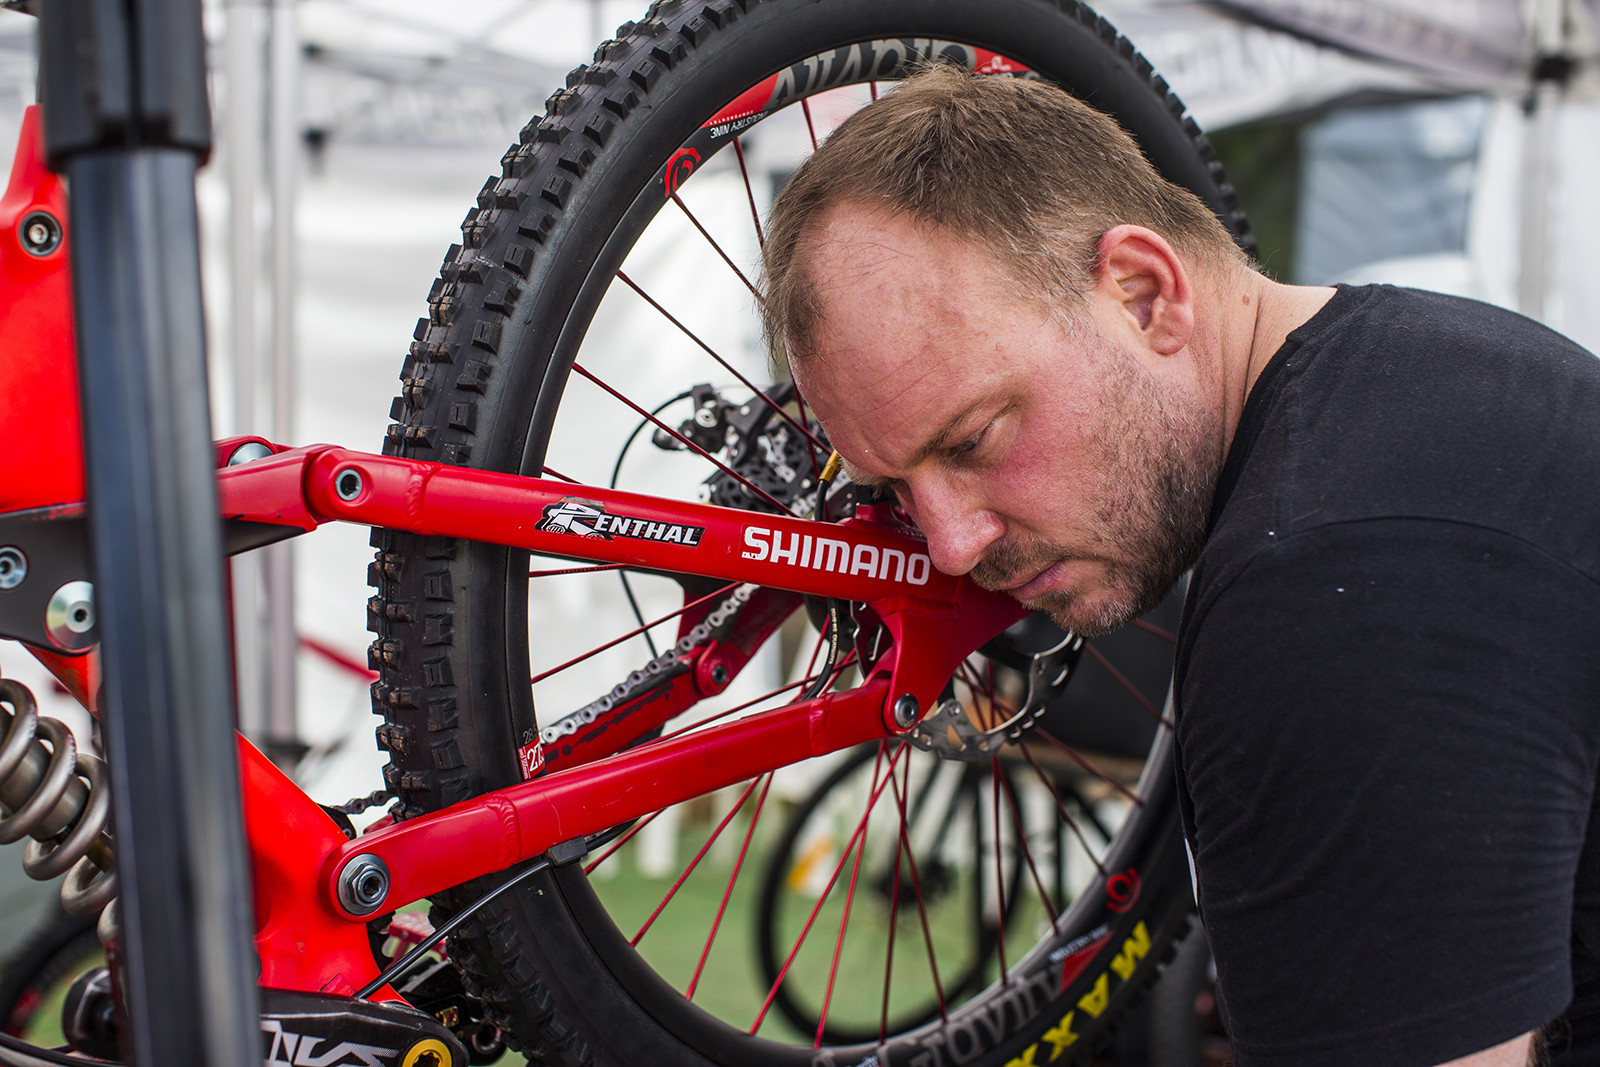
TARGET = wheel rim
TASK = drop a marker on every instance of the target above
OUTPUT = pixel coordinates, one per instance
(557, 599)
(711, 211)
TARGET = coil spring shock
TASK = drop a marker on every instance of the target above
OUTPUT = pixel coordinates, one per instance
(58, 796)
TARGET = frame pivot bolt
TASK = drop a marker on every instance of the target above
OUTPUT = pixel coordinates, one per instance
(363, 884)
(69, 617)
(40, 233)
(905, 711)
(249, 452)
(348, 484)
(13, 567)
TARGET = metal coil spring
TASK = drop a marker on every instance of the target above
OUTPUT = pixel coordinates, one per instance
(58, 796)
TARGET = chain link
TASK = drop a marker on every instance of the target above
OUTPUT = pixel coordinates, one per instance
(666, 665)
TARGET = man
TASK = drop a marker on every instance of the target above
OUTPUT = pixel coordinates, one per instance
(1389, 669)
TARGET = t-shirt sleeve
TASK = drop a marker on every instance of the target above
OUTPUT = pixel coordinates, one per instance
(1387, 742)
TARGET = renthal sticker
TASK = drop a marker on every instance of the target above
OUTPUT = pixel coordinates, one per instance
(531, 757)
(589, 519)
(829, 554)
(289, 1049)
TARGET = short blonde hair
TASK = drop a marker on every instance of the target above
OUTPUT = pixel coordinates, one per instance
(1020, 167)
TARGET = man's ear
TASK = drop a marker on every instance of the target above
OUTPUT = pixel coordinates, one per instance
(1141, 273)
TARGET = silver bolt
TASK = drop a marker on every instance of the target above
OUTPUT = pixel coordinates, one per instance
(41, 233)
(13, 567)
(69, 617)
(706, 417)
(363, 884)
(905, 711)
(347, 483)
(248, 452)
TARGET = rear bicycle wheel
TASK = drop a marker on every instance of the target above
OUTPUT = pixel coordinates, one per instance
(612, 255)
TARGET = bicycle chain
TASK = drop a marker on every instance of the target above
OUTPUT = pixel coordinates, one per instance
(712, 626)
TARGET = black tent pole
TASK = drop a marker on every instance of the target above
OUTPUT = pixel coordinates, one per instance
(127, 122)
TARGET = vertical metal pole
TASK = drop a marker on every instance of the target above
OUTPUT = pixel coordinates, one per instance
(1549, 25)
(242, 144)
(284, 77)
(127, 121)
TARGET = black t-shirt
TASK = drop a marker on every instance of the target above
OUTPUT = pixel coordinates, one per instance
(1389, 691)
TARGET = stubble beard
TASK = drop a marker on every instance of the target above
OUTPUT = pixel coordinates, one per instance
(1161, 455)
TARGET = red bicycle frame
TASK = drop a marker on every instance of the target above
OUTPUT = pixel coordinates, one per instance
(307, 939)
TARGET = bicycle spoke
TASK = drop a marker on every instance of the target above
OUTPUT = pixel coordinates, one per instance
(1165, 635)
(1075, 756)
(844, 916)
(724, 591)
(698, 856)
(916, 887)
(681, 439)
(999, 867)
(749, 190)
(727, 893)
(1050, 907)
(1133, 691)
(888, 955)
(860, 830)
(811, 127)
(623, 840)
(578, 570)
(1061, 809)
(805, 432)
(715, 247)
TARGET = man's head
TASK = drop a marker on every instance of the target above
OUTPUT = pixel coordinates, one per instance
(1018, 167)
(1016, 365)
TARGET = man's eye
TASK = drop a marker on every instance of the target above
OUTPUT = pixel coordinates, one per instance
(969, 446)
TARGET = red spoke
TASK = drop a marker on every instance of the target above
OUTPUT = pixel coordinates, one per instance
(874, 87)
(578, 570)
(1027, 854)
(636, 631)
(816, 443)
(1133, 691)
(1075, 757)
(722, 908)
(888, 956)
(805, 105)
(741, 479)
(999, 868)
(1061, 809)
(1165, 635)
(551, 472)
(717, 248)
(844, 918)
(623, 840)
(861, 828)
(749, 190)
(698, 856)
(708, 720)
(916, 887)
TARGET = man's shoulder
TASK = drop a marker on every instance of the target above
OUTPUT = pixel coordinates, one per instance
(1402, 403)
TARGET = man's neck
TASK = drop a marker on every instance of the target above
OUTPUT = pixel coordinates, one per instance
(1256, 315)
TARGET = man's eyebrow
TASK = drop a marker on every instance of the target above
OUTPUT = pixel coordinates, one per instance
(934, 443)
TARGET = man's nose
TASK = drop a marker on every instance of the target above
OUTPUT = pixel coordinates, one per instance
(958, 527)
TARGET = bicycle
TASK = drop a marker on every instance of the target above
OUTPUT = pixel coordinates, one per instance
(466, 490)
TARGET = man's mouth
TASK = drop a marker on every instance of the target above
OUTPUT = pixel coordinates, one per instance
(1041, 582)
